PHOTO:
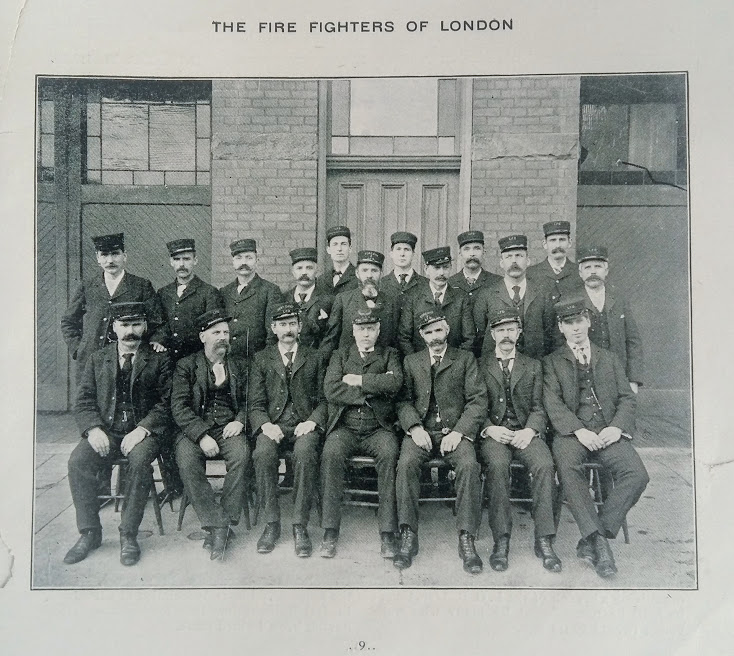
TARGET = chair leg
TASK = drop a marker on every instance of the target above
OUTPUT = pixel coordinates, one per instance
(182, 508)
(625, 531)
(156, 504)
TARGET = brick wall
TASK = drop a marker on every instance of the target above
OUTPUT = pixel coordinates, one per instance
(264, 171)
(524, 157)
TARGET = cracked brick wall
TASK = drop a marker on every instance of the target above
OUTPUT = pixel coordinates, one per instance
(524, 156)
(264, 171)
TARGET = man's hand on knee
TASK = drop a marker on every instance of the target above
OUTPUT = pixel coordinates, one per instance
(132, 439)
(99, 441)
(272, 431)
(209, 446)
(232, 429)
(304, 428)
(421, 438)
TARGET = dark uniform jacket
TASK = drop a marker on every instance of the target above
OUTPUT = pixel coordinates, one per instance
(459, 391)
(179, 333)
(269, 387)
(191, 387)
(526, 385)
(612, 389)
(86, 325)
(314, 316)
(347, 282)
(150, 382)
(455, 308)
(345, 308)
(251, 312)
(566, 283)
(484, 279)
(382, 378)
(536, 321)
(390, 285)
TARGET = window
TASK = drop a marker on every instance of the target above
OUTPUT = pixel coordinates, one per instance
(45, 137)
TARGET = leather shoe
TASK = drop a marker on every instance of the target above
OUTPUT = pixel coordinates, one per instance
(328, 544)
(544, 550)
(388, 548)
(408, 548)
(270, 536)
(585, 550)
(129, 549)
(472, 562)
(302, 541)
(605, 566)
(88, 541)
(208, 538)
(220, 535)
(498, 559)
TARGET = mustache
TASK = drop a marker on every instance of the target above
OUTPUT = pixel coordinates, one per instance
(442, 278)
(559, 249)
(436, 342)
(515, 267)
(304, 277)
(506, 340)
(593, 276)
(222, 342)
(244, 267)
(131, 338)
(476, 260)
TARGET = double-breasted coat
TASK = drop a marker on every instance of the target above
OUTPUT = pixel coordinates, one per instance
(347, 282)
(390, 285)
(484, 279)
(565, 283)
(314, 315)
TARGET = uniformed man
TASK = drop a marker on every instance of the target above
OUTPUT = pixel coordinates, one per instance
(613, 325)
(557, 273)
(472, 276)
(314, 305)
(209, 405)
(183, 300)
(403, 277)
(360, 385)
(515, 428)
(250, 301)
(367, 297)
(122, 409)
(287, 412)
(441, 409)
(452, 302)
(86, 323)
(516, 291)
(592, 409)
(340, 278)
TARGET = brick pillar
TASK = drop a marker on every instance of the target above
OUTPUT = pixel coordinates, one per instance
(524, 157)
(264, 171)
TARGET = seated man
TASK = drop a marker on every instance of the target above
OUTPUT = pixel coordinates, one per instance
(360, 385)
(592, 408)
(122, 409)
(287, 411)
(441, 410)
(208, 402)
(515, 428)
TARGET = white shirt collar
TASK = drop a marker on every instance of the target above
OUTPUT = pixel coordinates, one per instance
(509, 284)
(297, 294)
(409, 275)
(597, 296)
(556, 268)
(502, 356)
(434, 290)
(437, 355)
(283, 352)
(113, 283)
(121, 358)
(577, 349)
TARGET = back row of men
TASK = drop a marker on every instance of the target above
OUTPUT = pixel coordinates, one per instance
(368, 395)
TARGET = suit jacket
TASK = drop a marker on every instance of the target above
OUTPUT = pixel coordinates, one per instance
(561, 390)
(565, 283)
(269, 387)
(348, 281)
(86, 325)
(382, 378)
(180, 333)
(536, 325)
(251, 312)
(345, 307)
(484, 279)
(526, 389)
(191, 387)
(150, 384)
(314, 315)
(455, 308)
(458, 389)
(390, 285)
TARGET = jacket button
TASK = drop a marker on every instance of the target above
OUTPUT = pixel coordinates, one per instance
(235, 320)
(175, 318)
(501, 399)
(175, 334)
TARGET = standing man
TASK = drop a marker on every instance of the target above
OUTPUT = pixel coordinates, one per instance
(341, 276)
(287, 411)
(443, 405)
(250, 301)
(314, 305)
(86, 324)
(557, 273)
(403, 277)
(437, 295)
(209, 405)
(515, 291)
(361, 384)
(472, 276)
(515, 428)
(592, 409)
(122, 409)
(613, 325)
(368, 297)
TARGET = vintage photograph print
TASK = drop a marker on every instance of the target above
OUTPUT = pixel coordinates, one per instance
(425, 332)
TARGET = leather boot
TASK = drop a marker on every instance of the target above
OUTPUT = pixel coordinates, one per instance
(129, 549)
(408, 548)
(220, 535)
(302, 541)
(499, 558)
(328, 544)
(88, 541)
(472, 562)
(605, 566)
(544, 550)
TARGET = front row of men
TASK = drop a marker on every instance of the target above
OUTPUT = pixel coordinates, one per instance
(443, 402)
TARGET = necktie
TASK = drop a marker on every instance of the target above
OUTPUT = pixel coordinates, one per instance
(516, 297)
(403, 280)
(302, 301)
(437, 298)
(180, 290)
(337, 277)
(582, 354)
(436, 361)
(127, 363)
(505, 364)
(289, 364)
(363, 354)
(219, 374)
(470, 281)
